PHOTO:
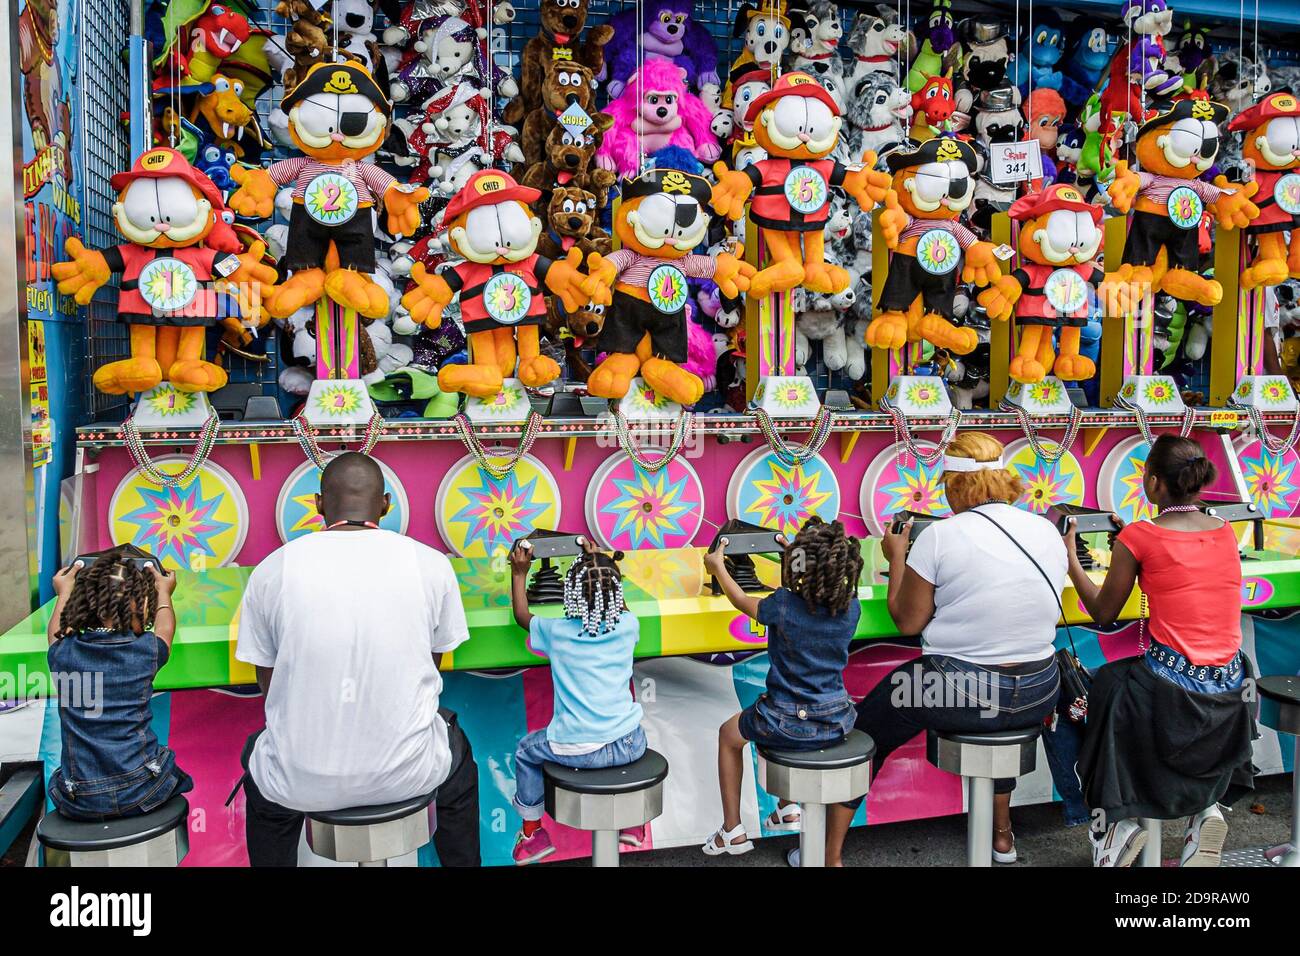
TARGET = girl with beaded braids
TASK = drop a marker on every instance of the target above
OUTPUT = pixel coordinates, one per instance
(596, 721)
(810, 620)
(110, 632)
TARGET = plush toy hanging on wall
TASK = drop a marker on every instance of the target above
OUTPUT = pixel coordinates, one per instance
(179, 250)
(1054, 287)
(502, 299)
(656, 111)
(661, 219)
(670, 34)
(1271, 140)
(1168, 201)
(337, 116)
(765, 31)
(798, 124)
(932, 186)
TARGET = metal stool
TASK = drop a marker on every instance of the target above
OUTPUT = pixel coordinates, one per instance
(1281, 710)
(1151, 850)
(607, 800)
(814, 778)
(981, 759)
(160, 838)
(371, 836)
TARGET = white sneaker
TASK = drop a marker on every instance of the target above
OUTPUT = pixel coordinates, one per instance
(1120, 845)
(1206, 833)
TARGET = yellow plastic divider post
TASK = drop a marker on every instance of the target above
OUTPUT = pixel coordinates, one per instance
(1115, 329)
(1225, 345)
(754, 322)
(879, 272)
(1001, 334)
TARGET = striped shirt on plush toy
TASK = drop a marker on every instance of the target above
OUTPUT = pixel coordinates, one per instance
(371, 181)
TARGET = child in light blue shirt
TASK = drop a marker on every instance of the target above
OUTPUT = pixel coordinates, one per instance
(596, 721)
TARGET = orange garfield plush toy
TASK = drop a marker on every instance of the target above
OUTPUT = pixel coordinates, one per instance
(933, 184)
(660, 220)
(1166, 202)
(491, 226)
(180, 274)
(337, 116)
(798, 124)
(1270, 138)
(1055, 285)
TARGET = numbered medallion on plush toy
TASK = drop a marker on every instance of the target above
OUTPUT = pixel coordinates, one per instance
(295, 508)
(168, 285)
(1048, 397)
(667, 289)
(507, 298)
(1046, 483)
(331, 199)
(165, 406)
(199, 523)
(1185, 208)
(938, 252)
(1286, 193)
(508, 406)
(1153, 394)
(629, 508)
(1268, 393)
(896, 480)
(338, 401)
(805, 190)
(1066, 291)
(1119, 481)
(787, 396)
(768, 492)
(480, 516)
(1272, 480)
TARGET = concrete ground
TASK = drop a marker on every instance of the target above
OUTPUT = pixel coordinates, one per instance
(1041, 840)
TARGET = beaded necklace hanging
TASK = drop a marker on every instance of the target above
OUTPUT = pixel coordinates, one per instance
(131, 437)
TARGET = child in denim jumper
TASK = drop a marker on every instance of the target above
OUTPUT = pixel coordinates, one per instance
(810, 620)
(596, 721)
(110, 631)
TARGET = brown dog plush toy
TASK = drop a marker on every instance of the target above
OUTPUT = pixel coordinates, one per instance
(563, 85)
(570, 216)
(556, 43)
(569, 162)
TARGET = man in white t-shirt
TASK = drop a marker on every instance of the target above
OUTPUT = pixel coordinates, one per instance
(345, 626)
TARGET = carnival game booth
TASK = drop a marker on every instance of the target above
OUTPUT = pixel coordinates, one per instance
(465, 240)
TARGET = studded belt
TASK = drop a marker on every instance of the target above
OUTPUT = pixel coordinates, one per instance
(1181, 665)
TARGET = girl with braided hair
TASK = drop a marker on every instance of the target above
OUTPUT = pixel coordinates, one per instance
(110, 632)
(596, 721)
(810, 621)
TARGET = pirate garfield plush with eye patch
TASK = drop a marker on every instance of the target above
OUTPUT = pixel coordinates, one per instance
(181, 272)
(1271, 140)
(1055, 285)
(798, 124)
(661, 218)
(337, 116)
(490, 225)
(1167, 201)
(933, 184)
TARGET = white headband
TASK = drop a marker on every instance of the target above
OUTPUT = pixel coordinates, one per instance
(954, 463)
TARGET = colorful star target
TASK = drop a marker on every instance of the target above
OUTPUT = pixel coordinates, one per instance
(1046, 483)
(629, 508)
(480, 516)
(295, 508)
(1271, 480)
(199, 523)
(889, 486)
(1119, 481)
(766, 491)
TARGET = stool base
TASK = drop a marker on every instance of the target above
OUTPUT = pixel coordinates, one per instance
(812, 835)
(1151, 852)
(979, 821)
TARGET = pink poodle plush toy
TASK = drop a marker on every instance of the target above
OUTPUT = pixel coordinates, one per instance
(654, 112)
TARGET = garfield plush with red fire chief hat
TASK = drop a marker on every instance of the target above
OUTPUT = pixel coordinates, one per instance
(337, 116)
(1166, 201)
(491, 226)
(930, 249)
(798, 124)
(1055, 285)
(180, 272)
(1270, 139)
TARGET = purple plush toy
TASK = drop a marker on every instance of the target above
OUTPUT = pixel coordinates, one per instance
(670, 34)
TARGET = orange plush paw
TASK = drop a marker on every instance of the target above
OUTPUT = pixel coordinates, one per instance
(356, 290)
(196, 375)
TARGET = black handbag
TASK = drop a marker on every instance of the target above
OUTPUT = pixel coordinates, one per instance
(1075, 678)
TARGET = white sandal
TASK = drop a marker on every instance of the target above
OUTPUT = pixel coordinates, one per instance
(728, 848)
(779, 821)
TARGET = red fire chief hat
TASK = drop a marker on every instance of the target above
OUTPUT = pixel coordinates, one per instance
(1057, 196)
(792, 84)
(165, 163)
(1283, 103)
(488, 187)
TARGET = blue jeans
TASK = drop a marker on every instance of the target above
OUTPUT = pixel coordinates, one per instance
(534, 750)
(1167, 663)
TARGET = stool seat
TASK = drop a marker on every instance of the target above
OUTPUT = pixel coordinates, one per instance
(158, 838)
(649, 770)
(999, 738)
(606, 800)
(373, 835)
(1009, 753)
(857, 748)
(1281, 710)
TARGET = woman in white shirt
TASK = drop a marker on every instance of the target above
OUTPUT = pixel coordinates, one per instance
(987, 619)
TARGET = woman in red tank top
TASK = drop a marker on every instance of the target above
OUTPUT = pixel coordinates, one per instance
(1169, 732)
